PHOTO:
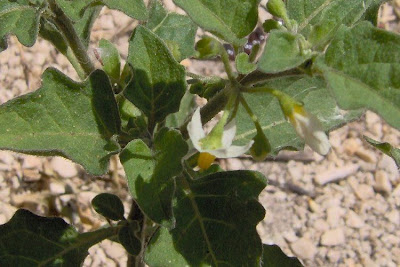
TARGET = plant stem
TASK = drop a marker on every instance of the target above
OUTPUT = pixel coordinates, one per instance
(227, 65)
(258, 76)
(135, 214)
(66, 27)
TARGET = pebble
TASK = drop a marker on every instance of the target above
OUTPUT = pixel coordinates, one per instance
(366, 155)
(382, 182)
(304, 248)
(364, 191)
(334, 216)
(31, 175)
(353, 220)
(387, 163)
(6, 157)
(336, 174)
(112, 249)
(32, 162)
(65, 168)
(334, 237)
(394, 217)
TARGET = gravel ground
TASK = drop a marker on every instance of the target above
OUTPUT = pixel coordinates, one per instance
(341, 210)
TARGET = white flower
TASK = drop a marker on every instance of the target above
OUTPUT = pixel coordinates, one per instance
(218, 144)
(310, 129)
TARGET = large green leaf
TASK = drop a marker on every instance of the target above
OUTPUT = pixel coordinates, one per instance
(216, 218)
(78, 121)
(273, 256)
(173, 28)
(311, 91)
(319, 19)
(30, 240)
(21, 19)
(362, 67)
(386, 148)
(158, 82)
(283, 50)
(151, 173)
(230, 20)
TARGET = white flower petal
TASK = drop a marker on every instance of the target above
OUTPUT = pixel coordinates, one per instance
(319, 142)
(195, 129)
(229, 134)
(232, 151)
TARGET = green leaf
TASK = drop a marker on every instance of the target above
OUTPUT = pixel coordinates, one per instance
(19, 19)
(177, 119)
(151, 174)
(386, 148)
(311, 91)
(273, 256)
(173, 28)
(243, 65)
(78, 121)
(158, 83)
(230, 20)
(319, 19)
(84, 25)
(208, 47)
(110, 58)
(361, 66)
(283, 50)
(31, 240)
(371, 14)
(216, 218)
(133, 8)
(109, 205)
(128, 238)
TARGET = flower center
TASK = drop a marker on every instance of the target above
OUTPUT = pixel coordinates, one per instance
(205, 160)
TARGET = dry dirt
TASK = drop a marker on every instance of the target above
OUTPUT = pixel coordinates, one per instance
(338, 210)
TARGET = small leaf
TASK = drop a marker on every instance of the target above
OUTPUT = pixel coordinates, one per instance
(277, 8)
(128, 238)
(109, 205)
(243, 65)
(31, 240)
(283, 50)
(21, 19)
(273, 256)
(271, 24)
(361, 67)
(174, 28)
(208, 47)
(229, 20)
(311, 91)
(79, 121)
(158, 83)
(110, 58)
(151, 174)
(386, 148)
(216, 218)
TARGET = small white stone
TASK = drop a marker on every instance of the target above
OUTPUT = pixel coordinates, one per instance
(334, 216)
(304, 248)
(387, 163)
(364, 191)
(353, 220)
(32, 162)
(333, 237)
(382, 182)
(64, 167)
(56, 188)
(335, 174)
(394, 217)
(6, 157)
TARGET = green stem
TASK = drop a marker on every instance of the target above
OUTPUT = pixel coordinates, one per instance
(227, 65)
(135, 214)
(251, 114)
(65, 25)
(259, 77)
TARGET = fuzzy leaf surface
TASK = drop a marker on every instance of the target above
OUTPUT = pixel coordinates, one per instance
(362, 67)
(231, 20)
(78, 121)
(151, 173)
(282, 52)
(158, 83)
(31, 240)
(216, 217)
(319, 19)
(20, 19)
(280, 133)
(172, 27)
